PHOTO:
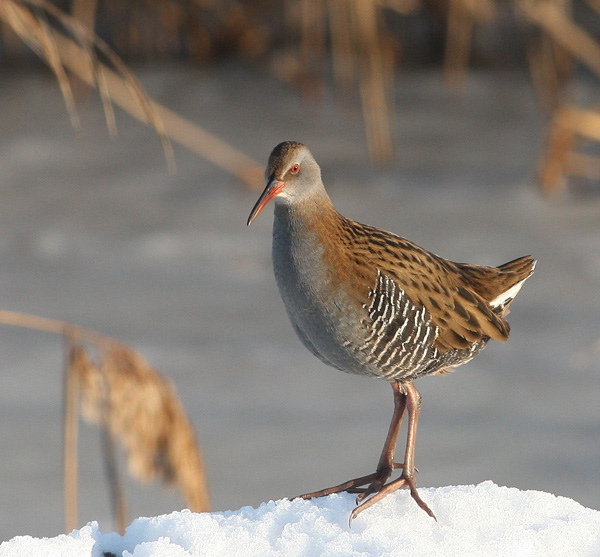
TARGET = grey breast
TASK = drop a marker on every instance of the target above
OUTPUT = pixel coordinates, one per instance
(322, 316)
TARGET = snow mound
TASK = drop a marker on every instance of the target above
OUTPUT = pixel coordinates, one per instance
(472, 520)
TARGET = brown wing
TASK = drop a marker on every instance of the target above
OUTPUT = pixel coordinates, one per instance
(462, 315)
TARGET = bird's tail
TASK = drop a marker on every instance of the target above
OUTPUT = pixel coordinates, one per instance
(499, 285)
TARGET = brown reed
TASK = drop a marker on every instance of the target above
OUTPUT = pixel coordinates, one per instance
(65, 43)
(133, 404)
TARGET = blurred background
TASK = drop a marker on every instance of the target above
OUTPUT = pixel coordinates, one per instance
(468, 126)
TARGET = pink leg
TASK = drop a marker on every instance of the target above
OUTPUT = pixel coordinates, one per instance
(386, 461)
(406, 398)
(407, 479)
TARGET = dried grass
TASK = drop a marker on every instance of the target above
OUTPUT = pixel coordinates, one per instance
(560, 41)
(553, 17)
(570, 127)
(141, 409)
(360, 53)
(563, 41)
(556, 41)
(461, 17)
(200, 30)
(31, 21)
(133, 404)
(65, 43)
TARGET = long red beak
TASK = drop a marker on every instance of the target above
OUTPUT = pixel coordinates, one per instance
(273, 188)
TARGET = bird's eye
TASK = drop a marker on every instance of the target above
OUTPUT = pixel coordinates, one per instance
(295, 169)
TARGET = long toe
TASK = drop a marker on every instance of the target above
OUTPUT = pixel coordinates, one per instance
(418, 500)
(375, 487)
(351, 486)
(390, 488)
(380, 477)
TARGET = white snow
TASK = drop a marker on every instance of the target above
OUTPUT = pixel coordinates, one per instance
(472, 520)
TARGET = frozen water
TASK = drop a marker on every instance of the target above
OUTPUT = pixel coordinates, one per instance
(94, 231)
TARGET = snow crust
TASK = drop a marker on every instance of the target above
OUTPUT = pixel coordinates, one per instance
(472, 520)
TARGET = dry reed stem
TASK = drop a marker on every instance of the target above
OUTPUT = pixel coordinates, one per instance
(569, 124)
(48, 43)
(78, 53)
(176, 127)
(79, 362)
(141, 410)
(561, 141)
(87, 43)
(84, 11)
(550, 64)
(27, 321)
(555, 21)
(372, 81)
(135, 404)
(70, 438)
(356, 43)
(344, 69)
(547, 76)
(462, 16)
(458, 43)
(36, 33)
(118, 499)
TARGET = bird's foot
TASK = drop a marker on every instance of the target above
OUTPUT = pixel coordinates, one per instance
(378, 480)
(355, 485)
(351, 486)
(381, 491)
(376, 489)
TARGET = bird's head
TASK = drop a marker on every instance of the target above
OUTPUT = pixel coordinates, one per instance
(292, 175)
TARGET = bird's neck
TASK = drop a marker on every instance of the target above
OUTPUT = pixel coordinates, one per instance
(306, 233)
(307, 215)
(312, 255)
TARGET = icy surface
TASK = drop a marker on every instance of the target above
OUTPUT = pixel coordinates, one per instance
(472, 520)
(94, 231)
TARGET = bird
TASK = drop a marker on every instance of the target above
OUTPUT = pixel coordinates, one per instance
(369, 302)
